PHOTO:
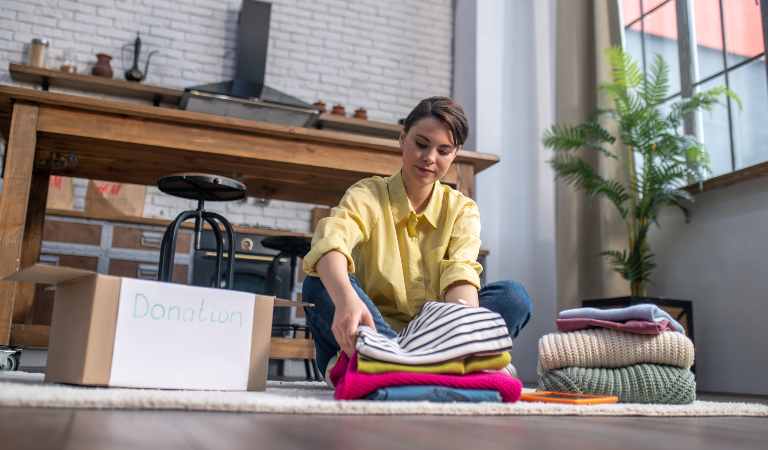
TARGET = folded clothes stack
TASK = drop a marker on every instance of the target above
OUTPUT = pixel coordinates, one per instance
(447, 353)
(638, 353)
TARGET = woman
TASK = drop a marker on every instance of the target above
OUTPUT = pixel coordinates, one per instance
(394, 243)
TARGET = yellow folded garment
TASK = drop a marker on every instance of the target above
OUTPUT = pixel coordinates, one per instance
(457, 366)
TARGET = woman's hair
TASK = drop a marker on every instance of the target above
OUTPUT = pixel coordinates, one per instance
(446, 111)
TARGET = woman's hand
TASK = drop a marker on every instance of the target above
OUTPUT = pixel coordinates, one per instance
(349, 315)
(350, 310)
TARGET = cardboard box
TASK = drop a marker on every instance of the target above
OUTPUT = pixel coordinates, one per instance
(118, 331)
(116, 199)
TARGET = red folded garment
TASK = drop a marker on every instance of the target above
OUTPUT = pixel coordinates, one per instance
(630, 326)
(351, 384)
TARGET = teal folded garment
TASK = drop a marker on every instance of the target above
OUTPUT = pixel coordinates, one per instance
(639, 383)
(440, 394)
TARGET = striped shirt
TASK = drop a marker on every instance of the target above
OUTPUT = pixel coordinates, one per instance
(439, 333)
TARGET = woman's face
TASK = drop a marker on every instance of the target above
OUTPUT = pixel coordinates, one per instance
(428, 152)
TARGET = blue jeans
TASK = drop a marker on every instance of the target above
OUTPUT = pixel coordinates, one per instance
(507, 298)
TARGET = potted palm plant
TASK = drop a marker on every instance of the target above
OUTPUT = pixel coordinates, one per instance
(659, 160)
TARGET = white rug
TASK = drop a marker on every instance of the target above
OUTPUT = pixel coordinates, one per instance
(20, 389)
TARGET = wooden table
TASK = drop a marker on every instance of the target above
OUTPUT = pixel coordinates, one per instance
(59, 134)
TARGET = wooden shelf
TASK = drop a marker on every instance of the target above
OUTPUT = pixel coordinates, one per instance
(89, 83)
(169, 97)
(359, 126)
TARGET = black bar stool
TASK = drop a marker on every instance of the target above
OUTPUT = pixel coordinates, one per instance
(201, 187)
(292, 247)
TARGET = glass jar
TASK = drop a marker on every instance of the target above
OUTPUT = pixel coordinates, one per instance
(37, 49)
(68, 62)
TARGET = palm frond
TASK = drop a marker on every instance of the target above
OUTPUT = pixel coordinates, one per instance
(563, 137)
(704, 100)
(624, 70)
(577, 172)
(589, 135)
(637, 266)
(655, 89)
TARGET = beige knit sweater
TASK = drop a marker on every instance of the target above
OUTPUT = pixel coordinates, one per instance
(611, 348)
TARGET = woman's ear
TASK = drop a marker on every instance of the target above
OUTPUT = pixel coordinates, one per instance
(402, 138)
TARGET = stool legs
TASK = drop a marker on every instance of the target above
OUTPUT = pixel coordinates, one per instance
(272, 275)
(215, 221)
(219, 249)
(230, 247)
(168, 246)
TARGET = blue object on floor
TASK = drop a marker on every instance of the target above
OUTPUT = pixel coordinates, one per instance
(430, 393)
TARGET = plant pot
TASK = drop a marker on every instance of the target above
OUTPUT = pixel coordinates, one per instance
(361, 113)
(102, 68)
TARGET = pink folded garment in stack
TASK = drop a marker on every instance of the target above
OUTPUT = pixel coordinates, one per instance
(630, 326)
(351, 384)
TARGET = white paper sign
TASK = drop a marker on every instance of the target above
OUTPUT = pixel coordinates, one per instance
(182, 337)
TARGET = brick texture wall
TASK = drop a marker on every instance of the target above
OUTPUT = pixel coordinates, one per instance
(383, 55)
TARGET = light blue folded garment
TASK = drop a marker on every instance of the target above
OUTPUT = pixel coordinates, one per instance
(430, 393)
(643, 311)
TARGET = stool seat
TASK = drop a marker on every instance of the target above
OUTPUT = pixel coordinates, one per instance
(288, 245)
(202, 187)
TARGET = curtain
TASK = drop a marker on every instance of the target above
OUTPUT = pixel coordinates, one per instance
(585, 227)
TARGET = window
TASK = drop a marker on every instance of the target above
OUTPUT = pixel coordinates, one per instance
(652, 31)
(710, 43)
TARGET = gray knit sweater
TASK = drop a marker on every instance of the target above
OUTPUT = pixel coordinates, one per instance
(639, 383)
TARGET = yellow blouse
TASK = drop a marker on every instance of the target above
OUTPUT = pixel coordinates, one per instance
(401, 259)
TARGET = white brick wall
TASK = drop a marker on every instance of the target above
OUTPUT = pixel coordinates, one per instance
(383, 55)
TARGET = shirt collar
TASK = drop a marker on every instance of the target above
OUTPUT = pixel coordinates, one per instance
(401, 206)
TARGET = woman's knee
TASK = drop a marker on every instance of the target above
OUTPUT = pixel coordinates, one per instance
(311, 287)
(514, 293)
(313, 292)
(511, 300)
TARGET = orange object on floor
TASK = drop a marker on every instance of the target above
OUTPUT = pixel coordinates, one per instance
(567, 397)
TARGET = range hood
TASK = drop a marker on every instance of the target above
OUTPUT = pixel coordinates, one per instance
(247, 96)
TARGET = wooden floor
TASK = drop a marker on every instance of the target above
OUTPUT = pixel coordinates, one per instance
(27, 428)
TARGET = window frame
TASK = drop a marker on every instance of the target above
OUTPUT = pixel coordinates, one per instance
(687, 58)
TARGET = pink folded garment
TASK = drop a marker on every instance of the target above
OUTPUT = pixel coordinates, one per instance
(351, 384)
(630, 326)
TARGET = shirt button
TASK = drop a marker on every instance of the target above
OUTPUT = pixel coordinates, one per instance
(419, 278)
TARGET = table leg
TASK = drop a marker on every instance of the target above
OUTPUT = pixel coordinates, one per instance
(20, 224)
(32, 244)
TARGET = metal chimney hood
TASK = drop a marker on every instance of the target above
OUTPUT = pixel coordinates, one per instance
(247, 96)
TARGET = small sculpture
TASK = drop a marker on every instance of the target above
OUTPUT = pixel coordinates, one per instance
(134, 73)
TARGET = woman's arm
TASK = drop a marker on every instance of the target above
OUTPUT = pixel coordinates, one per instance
(350, 310)
(460, 271)
(462, 292)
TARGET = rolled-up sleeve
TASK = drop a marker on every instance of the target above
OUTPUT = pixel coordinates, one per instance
(461, 263)
(348, 225)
